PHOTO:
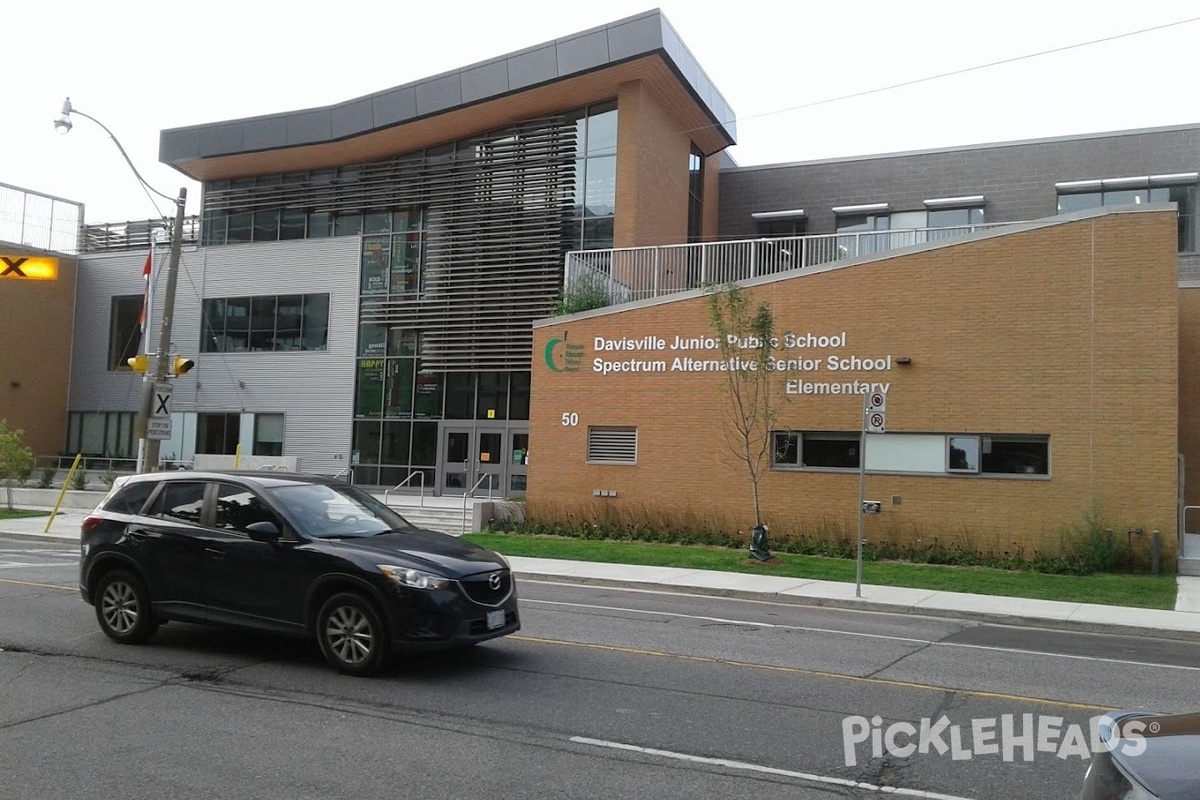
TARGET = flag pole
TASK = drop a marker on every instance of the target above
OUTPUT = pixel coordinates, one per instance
(147, 300)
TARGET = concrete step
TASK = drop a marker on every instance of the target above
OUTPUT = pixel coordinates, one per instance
(1189, 566)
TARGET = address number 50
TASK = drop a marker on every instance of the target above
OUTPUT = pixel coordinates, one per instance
(570, 419)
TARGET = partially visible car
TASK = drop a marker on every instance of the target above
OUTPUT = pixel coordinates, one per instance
(1146, 756)
(294, 554)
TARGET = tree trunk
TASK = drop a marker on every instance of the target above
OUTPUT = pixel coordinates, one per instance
(8, 492)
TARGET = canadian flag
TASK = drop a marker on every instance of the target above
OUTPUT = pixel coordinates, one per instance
(145, 292)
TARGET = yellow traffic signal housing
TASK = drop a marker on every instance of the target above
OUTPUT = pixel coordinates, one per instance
(138, 363)
(183, 365)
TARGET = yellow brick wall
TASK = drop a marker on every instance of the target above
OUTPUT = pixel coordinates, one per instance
(36, 321)
(1069, 331)
(652, 171)
(1189, 397)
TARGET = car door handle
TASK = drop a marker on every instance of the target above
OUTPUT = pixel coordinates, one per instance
(215, 552)
(138, 534)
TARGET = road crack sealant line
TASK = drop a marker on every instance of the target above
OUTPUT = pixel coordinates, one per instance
(746, 766)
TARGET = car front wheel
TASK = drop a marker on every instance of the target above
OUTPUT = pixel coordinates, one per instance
(123, 608)
(352, 635)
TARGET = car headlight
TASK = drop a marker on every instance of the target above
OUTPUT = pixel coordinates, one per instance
(413, 578)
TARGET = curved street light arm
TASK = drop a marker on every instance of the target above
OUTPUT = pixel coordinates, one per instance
(68, 109)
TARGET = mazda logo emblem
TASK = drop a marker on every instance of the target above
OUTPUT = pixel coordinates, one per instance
(494, 581)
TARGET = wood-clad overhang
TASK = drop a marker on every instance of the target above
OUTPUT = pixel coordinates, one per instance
(654, 70)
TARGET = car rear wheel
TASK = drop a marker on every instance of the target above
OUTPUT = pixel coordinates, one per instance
(123, 608)
(352, 635)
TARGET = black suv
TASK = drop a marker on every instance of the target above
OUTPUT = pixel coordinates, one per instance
(293, 554)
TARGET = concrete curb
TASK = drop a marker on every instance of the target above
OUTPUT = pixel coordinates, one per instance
(1012, 620)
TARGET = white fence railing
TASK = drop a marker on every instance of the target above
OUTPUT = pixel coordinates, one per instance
(598, 278)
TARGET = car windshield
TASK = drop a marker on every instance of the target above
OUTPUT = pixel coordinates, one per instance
(325, 511)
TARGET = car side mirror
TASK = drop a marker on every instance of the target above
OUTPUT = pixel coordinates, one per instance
(264, 531)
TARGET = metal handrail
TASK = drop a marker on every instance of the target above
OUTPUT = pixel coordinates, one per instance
(487, 476)
(400, 485)
(624, 274)
(347, 470)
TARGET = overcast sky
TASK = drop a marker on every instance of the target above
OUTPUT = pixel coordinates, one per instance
(140, 67)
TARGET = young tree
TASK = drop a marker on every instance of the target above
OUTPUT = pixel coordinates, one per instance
(16, 461)
(753, 391)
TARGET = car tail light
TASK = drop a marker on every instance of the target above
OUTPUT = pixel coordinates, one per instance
(90, 523)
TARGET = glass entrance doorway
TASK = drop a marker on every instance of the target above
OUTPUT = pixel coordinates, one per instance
(484, 458)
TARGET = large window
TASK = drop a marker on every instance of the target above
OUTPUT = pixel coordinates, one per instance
(268, 434)
(1179, 189)
(916, 454)
(862, 233)
(818, 449)
(695, 194)
(877, 231)
(265, 323)
(594, 198)
(107, 434)
(218, 434)
(392, 252)
(124, 330)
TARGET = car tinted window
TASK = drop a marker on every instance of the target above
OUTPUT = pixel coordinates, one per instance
(181, 500)
(238, 508)
(322, 510)
(131, 498)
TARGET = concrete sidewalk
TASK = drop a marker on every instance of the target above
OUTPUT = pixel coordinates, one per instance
(1182, 623)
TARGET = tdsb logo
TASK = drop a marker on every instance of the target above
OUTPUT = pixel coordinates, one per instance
(563, 356)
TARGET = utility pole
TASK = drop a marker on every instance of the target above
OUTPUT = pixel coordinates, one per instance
(148, 452)
(160, 373)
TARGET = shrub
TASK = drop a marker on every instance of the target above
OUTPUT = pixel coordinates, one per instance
(1089, 547)
(47, 477)
(80, 481)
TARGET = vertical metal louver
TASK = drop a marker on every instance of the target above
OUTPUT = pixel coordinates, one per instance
(612, 445)
(495, 208)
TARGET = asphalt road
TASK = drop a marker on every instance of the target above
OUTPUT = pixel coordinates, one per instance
(605, 693)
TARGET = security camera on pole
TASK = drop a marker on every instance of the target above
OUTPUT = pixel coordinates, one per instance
(156, 379)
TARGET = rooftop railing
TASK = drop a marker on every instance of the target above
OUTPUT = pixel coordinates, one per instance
(599, 278)
(135, 234)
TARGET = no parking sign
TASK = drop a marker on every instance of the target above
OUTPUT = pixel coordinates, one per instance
(875, 412)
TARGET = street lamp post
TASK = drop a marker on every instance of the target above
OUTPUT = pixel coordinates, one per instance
(160, 373)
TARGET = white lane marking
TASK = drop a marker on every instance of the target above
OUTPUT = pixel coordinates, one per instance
(926, 642)
(743, 765)
(724, 621)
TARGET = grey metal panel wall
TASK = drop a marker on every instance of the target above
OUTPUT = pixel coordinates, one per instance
(1016, 178)
(315, 390)
(93, 387)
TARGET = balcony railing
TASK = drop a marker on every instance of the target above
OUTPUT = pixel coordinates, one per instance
(599, 278)
(135, 234)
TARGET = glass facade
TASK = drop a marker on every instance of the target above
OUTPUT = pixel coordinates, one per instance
(594, 195)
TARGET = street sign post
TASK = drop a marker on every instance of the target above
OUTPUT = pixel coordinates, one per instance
(158, 428)
(874, 420)
(161, 407)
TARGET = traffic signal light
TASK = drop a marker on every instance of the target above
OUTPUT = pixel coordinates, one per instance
(182, 365)
(138, 363)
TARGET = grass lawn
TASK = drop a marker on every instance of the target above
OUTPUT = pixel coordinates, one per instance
(1144, 591)
(20, 513)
